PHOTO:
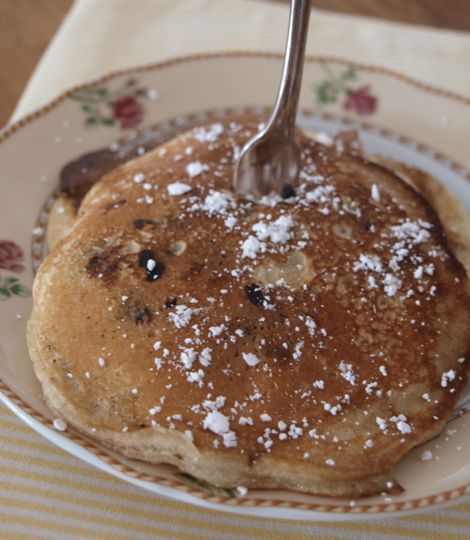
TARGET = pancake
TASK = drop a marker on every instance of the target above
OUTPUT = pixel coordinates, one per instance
(453, 215)
(305, 342)
(79, 176)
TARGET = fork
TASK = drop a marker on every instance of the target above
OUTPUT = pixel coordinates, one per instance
(270, 161)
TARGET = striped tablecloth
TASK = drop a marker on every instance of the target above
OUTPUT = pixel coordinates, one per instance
(46, 493)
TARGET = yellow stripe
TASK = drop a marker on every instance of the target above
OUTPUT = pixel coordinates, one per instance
(216, 527)
(123, 509)
(5, 410)
(56, 466)
(68, 482)
(41, 446)
(393, 530)
(461, 507)
(136, 512)
(19, 536)
(16, 426)
(13, 422)
(439, 519)
(90, 519)
(50, 526)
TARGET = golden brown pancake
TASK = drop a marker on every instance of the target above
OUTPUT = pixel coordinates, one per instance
(305, 342)
(453, 216)
(79, 176)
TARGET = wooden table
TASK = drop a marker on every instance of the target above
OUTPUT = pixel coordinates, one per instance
(26, 27)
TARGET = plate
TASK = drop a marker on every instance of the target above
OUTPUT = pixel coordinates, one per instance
(396, 117)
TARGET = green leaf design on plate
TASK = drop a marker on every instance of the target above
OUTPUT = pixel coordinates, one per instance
(189, 480)
(4, 294)
(107, 121)
(11, 286)
(20, 290)
(327, 92)
(102, 91)
(86, 108)
(91, 121)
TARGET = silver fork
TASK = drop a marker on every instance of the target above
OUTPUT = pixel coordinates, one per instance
(270, 160)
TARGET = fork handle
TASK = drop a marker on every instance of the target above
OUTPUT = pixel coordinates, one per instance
(285, 109)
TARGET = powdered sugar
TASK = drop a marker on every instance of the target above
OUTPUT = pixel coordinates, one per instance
(59, 424)
(375, 193)
(217, 202)
(187, 357)
(414, 232)
(347, 372)
(278, 231)
(216, 422)
(311, 325)
(196, 168)
(321, 194)
(178, 188)
(219, 424)
(251, 247)
(208, 134)
(446, 377)
(426, 455)
(181, 315)
(368, 262)
(251, 359)
(205, 357)
(401, 423)
(391, 284)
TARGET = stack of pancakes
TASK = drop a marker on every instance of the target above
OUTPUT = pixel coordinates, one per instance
(304, 341)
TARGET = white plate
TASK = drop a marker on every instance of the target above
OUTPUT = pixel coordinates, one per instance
(169, 97)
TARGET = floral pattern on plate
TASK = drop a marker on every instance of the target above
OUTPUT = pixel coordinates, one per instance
(106, 107)
(11, 258)
(356, 99)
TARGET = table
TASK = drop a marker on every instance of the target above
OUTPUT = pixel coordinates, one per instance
(26, 27)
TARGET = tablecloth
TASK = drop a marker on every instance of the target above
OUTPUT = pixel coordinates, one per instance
(46, 493)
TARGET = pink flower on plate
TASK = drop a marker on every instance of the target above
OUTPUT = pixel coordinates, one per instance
(361, 101)
(128, 111)
(11, 255)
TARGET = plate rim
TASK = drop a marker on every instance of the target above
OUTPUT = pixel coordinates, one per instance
(7, 130)
(421, 503)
